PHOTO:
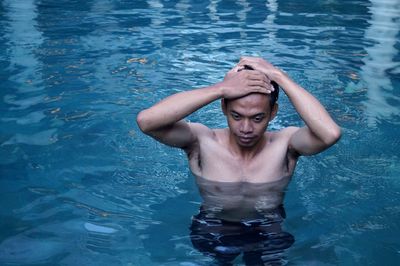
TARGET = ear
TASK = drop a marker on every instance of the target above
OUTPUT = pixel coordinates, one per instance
(274, 111)
(223, 106)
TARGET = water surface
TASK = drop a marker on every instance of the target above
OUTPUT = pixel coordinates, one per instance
(81, 185)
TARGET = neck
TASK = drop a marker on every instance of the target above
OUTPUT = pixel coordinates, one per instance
(246, 153)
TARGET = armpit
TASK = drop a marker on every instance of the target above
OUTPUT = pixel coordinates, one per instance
(195, 162)
(291, 151)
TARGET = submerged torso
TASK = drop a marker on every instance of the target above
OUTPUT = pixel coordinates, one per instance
(238, 201)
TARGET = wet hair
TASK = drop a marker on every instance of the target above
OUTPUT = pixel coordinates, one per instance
(273, 97)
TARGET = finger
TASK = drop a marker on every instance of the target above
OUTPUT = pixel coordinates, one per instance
(266, 84)
(264, 90)
(258, 76)
(261, 83)
(257, 89)
(233, 70)
(243, 61)
(239, 68)
(249, 65)
(236, 68)
(241, 64)
(261, 89)
(246, 63)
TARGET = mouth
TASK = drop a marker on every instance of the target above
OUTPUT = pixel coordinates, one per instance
(246, 139)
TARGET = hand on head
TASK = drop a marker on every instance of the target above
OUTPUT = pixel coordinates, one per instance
(238, 83)
(259, 64)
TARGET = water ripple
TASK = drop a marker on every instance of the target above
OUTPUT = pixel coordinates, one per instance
(74, 74)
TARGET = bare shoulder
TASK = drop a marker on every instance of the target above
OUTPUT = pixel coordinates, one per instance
(200, 130)
(283, 139)
(283, 134)
(204, 136)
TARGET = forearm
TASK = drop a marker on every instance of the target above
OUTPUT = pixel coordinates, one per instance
(310, 109)
(176, 107)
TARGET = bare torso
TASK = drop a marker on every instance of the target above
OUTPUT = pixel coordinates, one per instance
(236, 188)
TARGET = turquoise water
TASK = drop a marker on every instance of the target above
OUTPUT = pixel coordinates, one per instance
(81, 185)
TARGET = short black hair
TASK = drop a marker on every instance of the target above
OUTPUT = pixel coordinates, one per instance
(273, 97)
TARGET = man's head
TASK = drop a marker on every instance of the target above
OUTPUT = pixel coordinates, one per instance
(249, 116)
(273, 97)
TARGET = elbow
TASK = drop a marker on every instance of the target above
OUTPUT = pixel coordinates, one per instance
(143, 122)
(333, 136)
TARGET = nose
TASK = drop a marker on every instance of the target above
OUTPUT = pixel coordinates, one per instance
(246, 127)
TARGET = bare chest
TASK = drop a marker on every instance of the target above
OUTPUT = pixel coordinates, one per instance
(215, 162)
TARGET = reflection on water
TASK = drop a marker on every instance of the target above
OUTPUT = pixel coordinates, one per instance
(380, 65)
(380, 62)
(269, 21)
(24, 39)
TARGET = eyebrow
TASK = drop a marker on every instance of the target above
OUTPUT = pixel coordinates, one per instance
(259, 114)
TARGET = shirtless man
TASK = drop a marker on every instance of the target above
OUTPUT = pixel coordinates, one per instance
(243, 170)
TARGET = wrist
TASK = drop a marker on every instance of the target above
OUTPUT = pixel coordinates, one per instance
(219, 89)
(280, 77)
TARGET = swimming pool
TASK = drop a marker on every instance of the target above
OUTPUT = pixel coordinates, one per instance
(81, 185)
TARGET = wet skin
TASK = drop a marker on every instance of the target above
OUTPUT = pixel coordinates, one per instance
(238, 201)
(242, 171)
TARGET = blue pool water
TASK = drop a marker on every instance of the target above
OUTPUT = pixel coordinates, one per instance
(81, 185)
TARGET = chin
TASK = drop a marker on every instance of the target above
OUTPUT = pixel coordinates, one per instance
(247, 144)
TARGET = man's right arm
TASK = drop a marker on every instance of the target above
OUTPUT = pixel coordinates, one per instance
(163, 121)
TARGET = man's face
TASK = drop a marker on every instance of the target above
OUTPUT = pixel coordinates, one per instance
(248, 118)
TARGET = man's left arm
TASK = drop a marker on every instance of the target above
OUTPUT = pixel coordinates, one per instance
(320, 131)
